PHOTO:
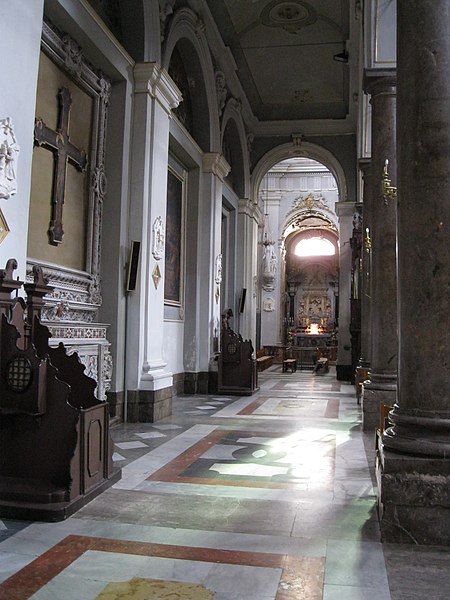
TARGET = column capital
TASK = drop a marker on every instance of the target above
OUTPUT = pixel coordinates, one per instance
(364, 165)
(248, 208)
(214, 162)
(380, 81)
(345, 209)
(150, 78)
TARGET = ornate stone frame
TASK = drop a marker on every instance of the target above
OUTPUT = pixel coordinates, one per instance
(77, 295)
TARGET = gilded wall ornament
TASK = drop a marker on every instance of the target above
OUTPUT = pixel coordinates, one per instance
(4, 229)
(156, 276)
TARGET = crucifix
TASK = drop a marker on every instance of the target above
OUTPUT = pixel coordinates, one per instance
(58, 142)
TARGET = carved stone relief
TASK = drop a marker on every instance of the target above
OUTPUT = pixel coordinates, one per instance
(158, 239)
(71, 309)
(9, 152)
(218, 270)
(269, 305)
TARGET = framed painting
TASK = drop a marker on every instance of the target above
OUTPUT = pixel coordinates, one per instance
(174, 255)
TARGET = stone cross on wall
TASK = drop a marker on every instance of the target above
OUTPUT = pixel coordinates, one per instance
(58, 142)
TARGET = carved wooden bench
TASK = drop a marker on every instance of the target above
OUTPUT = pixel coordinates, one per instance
(289, 363)
(263, 361)
(321, 366)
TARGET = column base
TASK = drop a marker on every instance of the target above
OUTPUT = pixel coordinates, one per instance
(115, 401)
(362, 374)
(373, 395)
(413, 498)
(196, 383)
(149, 406)
(344, 372)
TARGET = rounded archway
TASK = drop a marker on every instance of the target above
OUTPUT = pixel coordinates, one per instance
(298, 197)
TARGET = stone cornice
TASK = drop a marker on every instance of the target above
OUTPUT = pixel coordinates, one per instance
(380, 81)
(214, 162)
(150, 78)
(345, 209)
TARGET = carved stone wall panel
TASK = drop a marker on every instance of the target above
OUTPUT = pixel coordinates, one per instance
(71, 309)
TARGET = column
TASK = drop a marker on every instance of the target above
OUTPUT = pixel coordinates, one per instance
(382, 386)
(362, 370)
(414, 458)
(149, 383)
(215, 169)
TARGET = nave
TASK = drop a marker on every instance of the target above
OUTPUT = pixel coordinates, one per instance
(267, 497)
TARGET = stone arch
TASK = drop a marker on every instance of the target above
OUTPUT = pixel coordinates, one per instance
(233, 137)
(305, 150)
(186, 34)
(140, 23)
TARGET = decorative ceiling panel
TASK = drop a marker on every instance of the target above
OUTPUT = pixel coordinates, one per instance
(284, 52)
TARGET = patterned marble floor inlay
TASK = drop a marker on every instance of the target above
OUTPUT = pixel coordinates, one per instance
(263, 497)
(94, 562)
(275, 461)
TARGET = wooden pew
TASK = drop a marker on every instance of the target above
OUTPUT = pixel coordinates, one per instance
(263, 360)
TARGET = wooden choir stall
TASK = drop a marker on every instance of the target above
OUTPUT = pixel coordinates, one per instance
(55, 447)
(237, 367)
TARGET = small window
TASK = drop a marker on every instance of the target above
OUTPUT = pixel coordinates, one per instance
(315, 246)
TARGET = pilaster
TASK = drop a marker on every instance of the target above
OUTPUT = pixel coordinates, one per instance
(248, 218)
(155, 95)
(345, 212)
(215, 169)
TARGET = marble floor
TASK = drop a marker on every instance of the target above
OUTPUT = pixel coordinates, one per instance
(268, 497)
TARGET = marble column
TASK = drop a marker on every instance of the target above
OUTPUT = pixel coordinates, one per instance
(362, 370)
(382, 386)
(414, 457)
(149, 382)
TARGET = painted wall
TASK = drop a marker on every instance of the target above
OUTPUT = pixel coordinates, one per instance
(22, 20)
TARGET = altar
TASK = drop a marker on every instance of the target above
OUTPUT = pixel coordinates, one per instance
(310, 339)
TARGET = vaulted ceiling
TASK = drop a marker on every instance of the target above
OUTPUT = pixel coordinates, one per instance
(284, 52)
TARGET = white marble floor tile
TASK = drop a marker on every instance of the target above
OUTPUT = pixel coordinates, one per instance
(117, 457)
(130, 445)
(63, 587)
(357, 564)
(342, 592)
(150, 435)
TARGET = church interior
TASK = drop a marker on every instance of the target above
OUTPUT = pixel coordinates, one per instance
(224, 300)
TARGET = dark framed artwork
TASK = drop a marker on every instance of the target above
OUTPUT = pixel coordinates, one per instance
(174, 257)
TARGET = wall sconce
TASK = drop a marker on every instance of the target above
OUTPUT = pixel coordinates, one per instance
(292, 288)
(367, 241)
(389, 191)
(341, 56)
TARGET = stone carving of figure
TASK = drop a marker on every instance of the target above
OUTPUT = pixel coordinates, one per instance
(158, 238)
(357, 221)
(218, 274)
(269, 268)
(8, 158)
(221, 91)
